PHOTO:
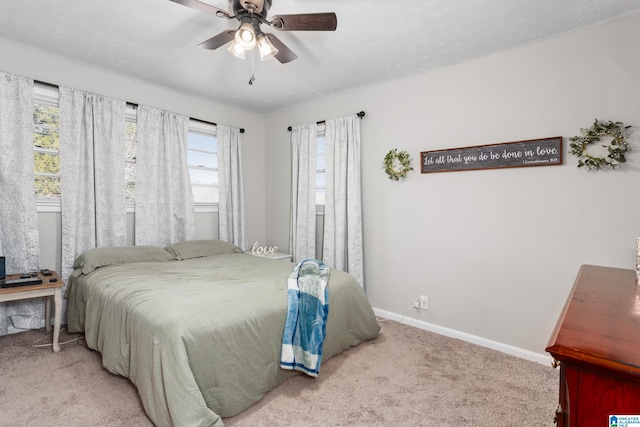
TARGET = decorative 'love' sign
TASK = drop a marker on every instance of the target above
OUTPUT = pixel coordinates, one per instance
(264, 250)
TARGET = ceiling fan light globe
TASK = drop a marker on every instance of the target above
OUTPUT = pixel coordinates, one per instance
(267, 50)
(237, 50)
(246, 36)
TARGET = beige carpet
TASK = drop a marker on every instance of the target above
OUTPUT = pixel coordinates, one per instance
(406, 377)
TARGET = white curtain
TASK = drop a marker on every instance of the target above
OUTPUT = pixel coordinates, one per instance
(302, 233)
(164, 199)
(92, 183)
(19, 241)
(342, 248)
(231, 215)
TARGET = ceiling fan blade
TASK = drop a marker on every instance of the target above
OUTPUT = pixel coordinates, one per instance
(218, 40)
(284, 54)
(306, 22)
(203, 7)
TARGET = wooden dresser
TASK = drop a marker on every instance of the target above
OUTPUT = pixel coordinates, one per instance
(596, 343)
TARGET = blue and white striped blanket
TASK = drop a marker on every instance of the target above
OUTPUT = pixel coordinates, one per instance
(305, 327)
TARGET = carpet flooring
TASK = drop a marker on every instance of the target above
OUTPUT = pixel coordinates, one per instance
(405, 377)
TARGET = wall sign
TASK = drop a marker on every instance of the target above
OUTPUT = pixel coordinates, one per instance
(533, 152)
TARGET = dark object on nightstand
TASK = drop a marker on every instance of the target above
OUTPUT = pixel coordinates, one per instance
(22, 281)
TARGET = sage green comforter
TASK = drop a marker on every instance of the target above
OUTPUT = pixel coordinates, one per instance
(201, 338)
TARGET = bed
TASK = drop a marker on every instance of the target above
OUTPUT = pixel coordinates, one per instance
(197, 326)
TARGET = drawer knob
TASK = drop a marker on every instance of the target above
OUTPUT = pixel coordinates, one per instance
(555, 363)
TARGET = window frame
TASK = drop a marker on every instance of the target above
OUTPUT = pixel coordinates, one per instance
(47, 95)
(320, 135)
(131, 116)
(198, 126)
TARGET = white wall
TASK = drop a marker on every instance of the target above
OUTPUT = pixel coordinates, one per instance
(52, 69)
(496, 251)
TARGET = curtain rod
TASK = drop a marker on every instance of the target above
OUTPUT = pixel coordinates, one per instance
(361, 114)
(211, 123)
(132, 104)
(46, 84)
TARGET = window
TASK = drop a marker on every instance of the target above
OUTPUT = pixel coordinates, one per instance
(46, 145)
(202, 159)
(321, 156)
(202, 156)
(130, 141)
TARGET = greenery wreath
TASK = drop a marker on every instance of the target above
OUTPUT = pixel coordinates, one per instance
(616, 149)
(397, 164)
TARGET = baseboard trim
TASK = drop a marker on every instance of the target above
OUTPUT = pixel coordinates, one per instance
(544, 359)
(12, 330)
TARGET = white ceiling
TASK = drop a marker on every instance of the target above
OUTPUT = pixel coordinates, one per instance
(376, 41)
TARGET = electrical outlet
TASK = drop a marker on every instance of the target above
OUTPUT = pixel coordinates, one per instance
(423, 302)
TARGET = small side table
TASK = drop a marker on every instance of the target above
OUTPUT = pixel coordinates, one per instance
(46, 289)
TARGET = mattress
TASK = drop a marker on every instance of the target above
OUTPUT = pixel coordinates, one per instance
(200, 338)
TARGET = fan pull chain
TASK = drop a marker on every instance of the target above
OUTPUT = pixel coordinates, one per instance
(252, 78)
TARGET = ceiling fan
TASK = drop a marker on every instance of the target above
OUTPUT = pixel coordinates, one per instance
(251, 14)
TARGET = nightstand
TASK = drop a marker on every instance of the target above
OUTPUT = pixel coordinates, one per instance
(45, 289)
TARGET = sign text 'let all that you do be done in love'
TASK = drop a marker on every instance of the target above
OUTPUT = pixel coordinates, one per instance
(534, 152)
